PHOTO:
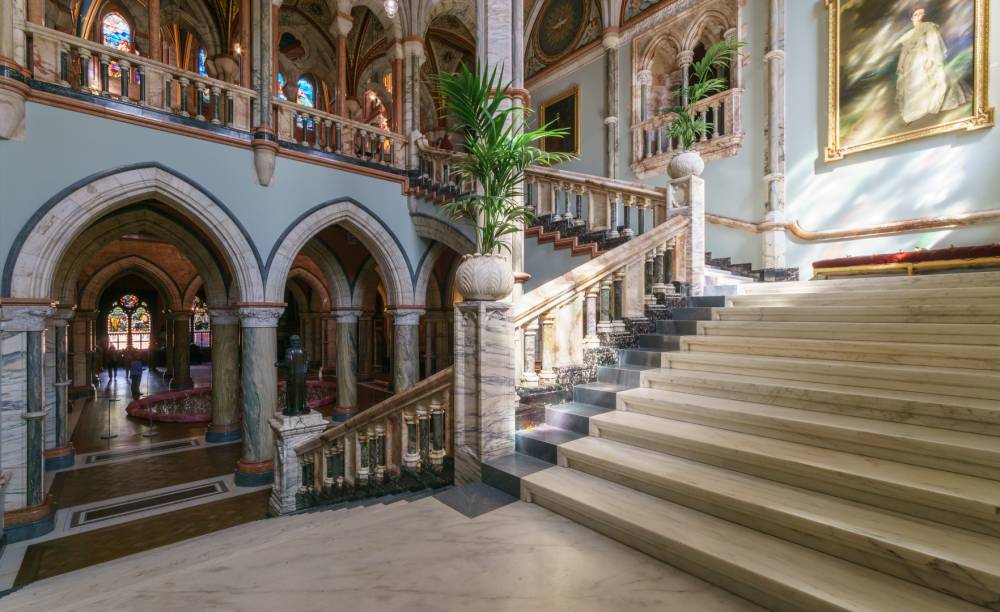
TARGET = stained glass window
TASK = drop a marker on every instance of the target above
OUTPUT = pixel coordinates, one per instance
(116, 32)
(129, 323)
(202, 56)
(307, 93)
(201, 325)
(281, 87)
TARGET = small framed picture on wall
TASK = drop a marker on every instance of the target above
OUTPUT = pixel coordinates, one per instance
(563, 111)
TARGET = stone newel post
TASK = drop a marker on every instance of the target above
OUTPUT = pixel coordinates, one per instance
(686, 196)
(484, 386)
(290, 432)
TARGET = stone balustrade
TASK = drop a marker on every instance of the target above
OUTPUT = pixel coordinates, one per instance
(68, 61)
(394, 445)
(652, 147)
(331, 133)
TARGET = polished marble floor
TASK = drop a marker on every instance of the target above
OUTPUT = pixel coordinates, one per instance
(409, 557)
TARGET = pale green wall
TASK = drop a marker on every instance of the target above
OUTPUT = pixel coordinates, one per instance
(947, 174)
(63, 147)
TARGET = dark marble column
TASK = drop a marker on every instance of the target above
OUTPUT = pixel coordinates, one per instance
(225, 425)
(347, 364)
(365, 348)
(181, 324)
(259, 377)
(406, 349)
(22, 417)
(59, 453)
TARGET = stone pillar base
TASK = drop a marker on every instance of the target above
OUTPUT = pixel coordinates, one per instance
(289, 433)
(31, 522)
(254, 474)
(218, 434)
(60, 458)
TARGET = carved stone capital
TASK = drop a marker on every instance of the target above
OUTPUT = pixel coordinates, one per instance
(685, 58)
(346, 316)
(24, 316)
(260, 315)
(224, 316)
(409, 316)
(645, 77)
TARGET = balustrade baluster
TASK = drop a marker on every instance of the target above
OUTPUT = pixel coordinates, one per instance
(578, 194)
(83, 56)
(424, 430)
(604, 324)
(339, 463)
(327, 134)
(659, 139)
(703, 114)
(379, 453)
(642, 215)
(64, 64)
(215, 91)
(613, 205)
(627, 216)
(715, 121)
(590, 339)
(411, 459)
(548, 375)
(618, 283)
(658, 276)
(230, 108)
(437, 453)
(125, 72)
(362, 464)
(668, 266)
(105, 65)
(649, 274)
(168, 93)
(141, 70)
(720, 119)
(528, 376)
(184, 97)
(199, 98)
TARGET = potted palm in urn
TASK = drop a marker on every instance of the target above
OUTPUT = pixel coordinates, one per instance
(688, 128)
(498, 148)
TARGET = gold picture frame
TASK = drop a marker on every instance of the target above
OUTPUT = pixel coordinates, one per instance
(568, 100)
(980, 116)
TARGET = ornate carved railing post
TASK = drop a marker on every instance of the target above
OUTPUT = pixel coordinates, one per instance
(437, 452)
(293, 474)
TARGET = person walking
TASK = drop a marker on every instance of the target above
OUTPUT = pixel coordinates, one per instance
(135, 369)
(111, 362)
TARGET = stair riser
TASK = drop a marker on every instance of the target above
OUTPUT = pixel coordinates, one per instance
(965, 385)
(650, 359)
(692, 314)
(680, 328)
(914, 413)
(961, 357)
(564, 420)
(931, 281)
(951, 296)
(659, 342)
(838, 332)
(594, 396)
(539, 449)
(875, 553)
(835, 315)
(903, 450)
(924, 504)
(618, 376)
(734, 578)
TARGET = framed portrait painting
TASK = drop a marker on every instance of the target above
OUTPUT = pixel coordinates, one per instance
(905, 69)
(564, 112)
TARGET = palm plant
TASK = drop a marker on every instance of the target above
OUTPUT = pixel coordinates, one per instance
(705, 81)
(499, 147)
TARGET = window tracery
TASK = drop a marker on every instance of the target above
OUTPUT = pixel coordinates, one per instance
(129, 323)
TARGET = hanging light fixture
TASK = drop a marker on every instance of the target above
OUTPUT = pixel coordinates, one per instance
(390, 8)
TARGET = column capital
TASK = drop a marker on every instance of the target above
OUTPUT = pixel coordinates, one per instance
(685, 58)
(86, 315)
(346, 316)
(260, 315)
(224, 316)
(176, 315)
(645, 77)
(62, 315)
(610, 40)
(406, 316)
(24, 315)
(342, 24)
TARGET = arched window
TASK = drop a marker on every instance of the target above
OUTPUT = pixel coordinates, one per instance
(201, 325)
(202, 56)
(281, 87)
(129, 324)
(116, 32)
(307, 92)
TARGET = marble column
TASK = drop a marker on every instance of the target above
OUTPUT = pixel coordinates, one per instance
(347, 364)
(406, 348)
(263, 58)
(342, 27)
(155, 40)
(259, 378)
(28, 512)
(648, 276)
(225, 425)
(366, 330)
(484, 386)
(413, 59)
(59, 451)
(245, 54)
(180, 323)
(774, 128)
(611, 42)
(396, 53)
(685, 59)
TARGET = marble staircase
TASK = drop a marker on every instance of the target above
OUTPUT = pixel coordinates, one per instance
(824, 445)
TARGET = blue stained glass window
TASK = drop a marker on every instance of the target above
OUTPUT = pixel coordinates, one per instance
(307, 93)
(281, 87)
(202, 56)
(116, 32)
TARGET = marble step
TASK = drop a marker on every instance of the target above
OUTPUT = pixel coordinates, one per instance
(659, 342)
(700, 301)
(542, 441)
(880, 283)
(903, 353)
(777, 574)
(941, 411)
(505, 472)
(573, 416)
(642, 358)
(693, 313)
(928, 333)
(963, 501)
(625, 375)
(985, 312)
(942, 381)
(679, 328)
(597, 393)
(951, 295)
(960, 452)
(959, 562)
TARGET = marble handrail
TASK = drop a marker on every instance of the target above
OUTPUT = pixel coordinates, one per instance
(407, 432)
(331, 133)
(58, 58)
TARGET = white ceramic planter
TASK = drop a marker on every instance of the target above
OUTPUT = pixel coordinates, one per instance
(486, 278)
(684, 164)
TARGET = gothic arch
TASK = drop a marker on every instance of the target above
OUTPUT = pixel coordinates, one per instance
(43, 241)
(439, 230)
(379, 241)
(365, 287)
(426, 273)
(192, 290)
(705, 21)
(321, 295)
(337, 285)
(96, 284)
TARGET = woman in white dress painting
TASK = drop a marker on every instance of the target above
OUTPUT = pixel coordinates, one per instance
(923, 86)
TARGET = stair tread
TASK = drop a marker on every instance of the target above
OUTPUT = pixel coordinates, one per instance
(601, 386)
(979, 352)
(933, 539)
(969, 333)
(881, 283)
(579, 408)
(893, 394)
(756, 556)
(944, 437)
(983, 493)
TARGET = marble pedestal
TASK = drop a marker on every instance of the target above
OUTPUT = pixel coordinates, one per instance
(484, 386)
(290, 432)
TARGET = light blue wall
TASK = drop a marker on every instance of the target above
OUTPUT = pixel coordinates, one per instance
(63, 147)
(948, 174)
